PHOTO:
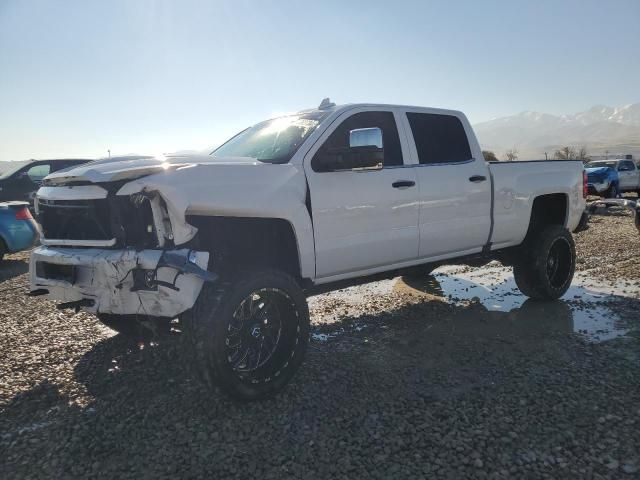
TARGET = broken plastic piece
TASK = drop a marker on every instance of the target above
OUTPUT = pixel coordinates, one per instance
(38, 292)
(76, 305)
(183, 264)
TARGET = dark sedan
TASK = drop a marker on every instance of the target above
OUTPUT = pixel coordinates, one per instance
(21, 183)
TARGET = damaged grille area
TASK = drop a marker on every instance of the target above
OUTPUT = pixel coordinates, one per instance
(75, 219)
(126, 221)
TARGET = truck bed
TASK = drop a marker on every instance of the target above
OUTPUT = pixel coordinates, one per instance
(516, 184)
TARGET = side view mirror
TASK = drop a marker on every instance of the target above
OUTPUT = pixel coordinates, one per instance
(365, 152)
(365, 137)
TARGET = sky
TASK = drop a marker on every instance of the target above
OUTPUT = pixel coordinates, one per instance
(79, 78)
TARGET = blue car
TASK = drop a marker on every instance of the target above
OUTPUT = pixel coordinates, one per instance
(602, 179)
(18, 230)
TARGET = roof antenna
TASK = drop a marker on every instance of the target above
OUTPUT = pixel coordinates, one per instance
(325, 104)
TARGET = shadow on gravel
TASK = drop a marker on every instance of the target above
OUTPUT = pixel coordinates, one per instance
(419, 343)
(374, 398)
(12, 268)
(597, 314)
(427, 334)
(46, 395)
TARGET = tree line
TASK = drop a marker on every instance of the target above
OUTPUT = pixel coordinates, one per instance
(564, 153)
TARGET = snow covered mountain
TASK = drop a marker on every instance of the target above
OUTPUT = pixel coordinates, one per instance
(601, 129)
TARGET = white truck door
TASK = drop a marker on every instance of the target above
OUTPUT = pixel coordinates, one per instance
(455, 186)
(628, 174)
(362, 218)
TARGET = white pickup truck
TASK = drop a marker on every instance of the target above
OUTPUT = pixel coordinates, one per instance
(231, 243)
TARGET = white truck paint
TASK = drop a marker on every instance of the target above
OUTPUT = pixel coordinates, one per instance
(347, 224)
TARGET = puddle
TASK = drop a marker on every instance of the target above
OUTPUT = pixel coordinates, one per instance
(592, 309)
(591, 304)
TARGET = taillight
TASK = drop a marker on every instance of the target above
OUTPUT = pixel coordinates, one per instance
(585, 189)
(23, 214)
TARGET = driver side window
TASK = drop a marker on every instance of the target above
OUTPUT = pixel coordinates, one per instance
(385, 121)
(622, 167)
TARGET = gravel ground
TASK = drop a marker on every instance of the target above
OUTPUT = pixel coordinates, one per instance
(405, 384)
(609, 249)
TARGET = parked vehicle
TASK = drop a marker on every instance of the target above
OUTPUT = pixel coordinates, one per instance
(232, 242)
(609, 178)
(602, 181)
(18, 229)
(21, 183)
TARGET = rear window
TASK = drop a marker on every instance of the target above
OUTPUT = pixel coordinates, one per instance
(600, 165)
(439, 138)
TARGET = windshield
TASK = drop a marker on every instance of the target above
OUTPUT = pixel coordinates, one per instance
(600, 164)
(272, 141)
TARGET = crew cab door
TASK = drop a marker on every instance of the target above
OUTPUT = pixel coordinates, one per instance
(364, 218)
(628, 175)
(455, 186)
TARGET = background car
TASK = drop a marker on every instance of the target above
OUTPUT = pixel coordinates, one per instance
(21, 183)
(602, 180)
(628, 176)
(18, 230)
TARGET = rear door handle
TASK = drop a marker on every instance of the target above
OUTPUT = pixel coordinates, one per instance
(477, 178)
(403, 183)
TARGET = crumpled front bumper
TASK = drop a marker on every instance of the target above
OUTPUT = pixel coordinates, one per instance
(145, 282)
(598, 187)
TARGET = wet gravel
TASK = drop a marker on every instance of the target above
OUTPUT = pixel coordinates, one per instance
(396, 385)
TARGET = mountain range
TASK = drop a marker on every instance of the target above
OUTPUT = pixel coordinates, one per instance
(601, 129)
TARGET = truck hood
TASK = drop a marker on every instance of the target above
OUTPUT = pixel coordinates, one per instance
(600, 174)
(597, 170)
(129, 168)
(190, 185)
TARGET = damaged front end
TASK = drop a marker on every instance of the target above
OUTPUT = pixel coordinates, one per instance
(111, 248)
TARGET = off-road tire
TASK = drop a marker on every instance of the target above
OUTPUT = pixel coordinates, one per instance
(208, 325)
(136, 327)
(547, 264)
(613, 191)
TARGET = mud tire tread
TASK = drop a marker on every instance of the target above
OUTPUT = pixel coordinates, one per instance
(530, 272)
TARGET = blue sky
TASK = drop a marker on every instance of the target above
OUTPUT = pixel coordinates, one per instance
(80, 77)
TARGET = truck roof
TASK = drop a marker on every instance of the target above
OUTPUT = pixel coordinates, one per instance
(327, 105)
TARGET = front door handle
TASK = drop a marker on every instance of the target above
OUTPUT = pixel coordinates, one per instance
(477, 178)
(403, 184)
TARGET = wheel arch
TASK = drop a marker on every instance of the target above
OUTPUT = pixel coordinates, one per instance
(242, 242)
(548, 209)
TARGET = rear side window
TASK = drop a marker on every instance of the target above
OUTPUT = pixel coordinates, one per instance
(383, 120)
(62, 165)
(626, 166)
(439, 138)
